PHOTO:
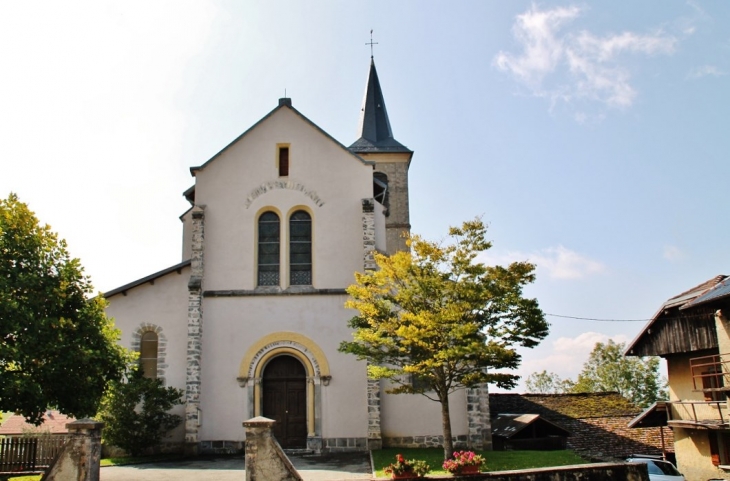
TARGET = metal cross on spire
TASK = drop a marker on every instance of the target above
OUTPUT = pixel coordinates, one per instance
(371, 43)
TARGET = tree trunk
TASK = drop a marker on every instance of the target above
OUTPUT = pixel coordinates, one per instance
(446, 424)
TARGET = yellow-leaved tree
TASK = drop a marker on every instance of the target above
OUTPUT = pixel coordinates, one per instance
(438, 314)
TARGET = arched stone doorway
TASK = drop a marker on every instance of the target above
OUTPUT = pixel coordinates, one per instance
(317, 374)
(284, 384)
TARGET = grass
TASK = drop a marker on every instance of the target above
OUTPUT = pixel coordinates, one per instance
(496, 460)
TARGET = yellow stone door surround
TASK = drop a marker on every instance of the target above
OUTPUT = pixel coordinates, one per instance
(302, 348)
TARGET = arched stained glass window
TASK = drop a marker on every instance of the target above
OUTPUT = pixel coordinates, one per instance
(269, 238)
(300, 249)
(148, 354)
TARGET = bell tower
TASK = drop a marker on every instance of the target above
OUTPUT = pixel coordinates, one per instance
(392, 159)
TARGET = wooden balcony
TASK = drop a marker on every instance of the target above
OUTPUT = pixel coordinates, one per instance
(698, 414)
(711, 375)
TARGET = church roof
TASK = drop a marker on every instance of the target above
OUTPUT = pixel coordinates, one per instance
(375, 132)
(151, 278)
(284, 103)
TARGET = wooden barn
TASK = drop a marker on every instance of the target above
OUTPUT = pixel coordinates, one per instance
(597, 422)
(691, 331)
(527, 432)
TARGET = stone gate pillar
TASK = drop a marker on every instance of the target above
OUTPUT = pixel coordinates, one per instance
(265, 460)
(80, 458)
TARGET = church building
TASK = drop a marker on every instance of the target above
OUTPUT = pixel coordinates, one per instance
(249, 322)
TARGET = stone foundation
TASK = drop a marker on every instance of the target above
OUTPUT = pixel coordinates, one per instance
(460, 442)
(317, 445)
(221, 447)
(338, 445)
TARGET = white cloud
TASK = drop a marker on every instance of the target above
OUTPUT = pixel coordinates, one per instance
(672, 253)
(536, 31)
(559, 262)
(566, 356)
(562, 263)
(705, 71)
(583, 343)
(569, 353)
(591, 63)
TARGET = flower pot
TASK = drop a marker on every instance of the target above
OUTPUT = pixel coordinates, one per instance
(403, 476)
(469, 469)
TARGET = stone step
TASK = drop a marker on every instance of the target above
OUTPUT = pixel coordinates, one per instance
(298, 452)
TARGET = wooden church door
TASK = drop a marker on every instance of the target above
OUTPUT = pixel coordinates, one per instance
(285, 400)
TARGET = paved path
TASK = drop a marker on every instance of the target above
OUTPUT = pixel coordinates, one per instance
(333, 467)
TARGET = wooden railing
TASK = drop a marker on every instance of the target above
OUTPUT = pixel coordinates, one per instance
(711, 373)
(32, 454)
(710, 413)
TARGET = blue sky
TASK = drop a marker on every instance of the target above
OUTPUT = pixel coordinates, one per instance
(592, 137)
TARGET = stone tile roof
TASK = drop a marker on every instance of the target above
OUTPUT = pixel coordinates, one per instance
(53, 422)
(598, 422)
(551, 406)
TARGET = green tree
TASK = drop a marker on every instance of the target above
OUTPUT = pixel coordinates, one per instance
(437, 314)
(57, 347)
(135, 413)
(547, 383)
(636, 379)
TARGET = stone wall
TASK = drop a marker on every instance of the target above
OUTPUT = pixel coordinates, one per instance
(460, 442)
(340, 445)
(398, 220)
(478, 420)
(582, 472)
(221, 447)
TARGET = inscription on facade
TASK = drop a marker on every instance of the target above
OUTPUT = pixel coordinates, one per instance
(282, 184)
(277, 345)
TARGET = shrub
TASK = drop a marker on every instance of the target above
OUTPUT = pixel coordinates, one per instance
(135, 412)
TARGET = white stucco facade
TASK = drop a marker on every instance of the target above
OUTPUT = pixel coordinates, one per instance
(219, 329)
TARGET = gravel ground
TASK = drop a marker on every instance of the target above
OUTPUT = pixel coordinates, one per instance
(332, 467)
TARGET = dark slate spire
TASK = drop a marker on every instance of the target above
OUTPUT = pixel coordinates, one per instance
(375, 132)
